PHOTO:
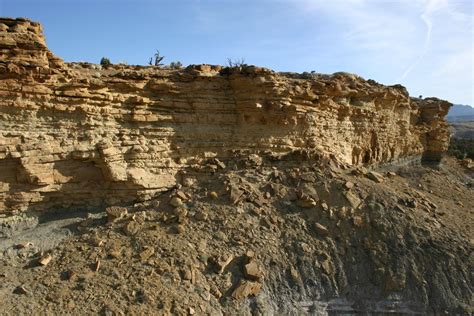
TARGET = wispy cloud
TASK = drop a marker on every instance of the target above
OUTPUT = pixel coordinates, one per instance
(410, 41)
(430, 7)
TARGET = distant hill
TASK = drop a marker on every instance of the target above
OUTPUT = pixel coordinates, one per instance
(459, 112)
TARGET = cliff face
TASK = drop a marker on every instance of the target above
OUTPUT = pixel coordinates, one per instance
(75, 134)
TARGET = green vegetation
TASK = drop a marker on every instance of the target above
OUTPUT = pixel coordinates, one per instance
(461, 148)
(176, 65)
(105, 62)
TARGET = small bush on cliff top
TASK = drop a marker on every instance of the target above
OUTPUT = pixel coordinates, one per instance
(105, 62)
(176, 65)
(236, 63)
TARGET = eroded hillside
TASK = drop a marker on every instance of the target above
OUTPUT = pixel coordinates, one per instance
(211, 191)
(76, 135)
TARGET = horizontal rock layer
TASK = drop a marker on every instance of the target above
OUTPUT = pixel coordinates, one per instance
(74, 134)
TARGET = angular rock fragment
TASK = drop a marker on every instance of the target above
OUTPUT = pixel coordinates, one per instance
(116, 254)
(325, 206)
(358, 221)
(21, 289)
(349, 185)
(236, 194)
(375, 176)
(219, 163)
(23, 245)
(45, 259)
(306, 202)
(131, 228)
(181, 213)
(321, 230)
(96, 266)
(187, 274)
(115, 213)
(250, 254)
(202, 216)
(182, 195)
(246, 288)
(327, 267)
(176, 202)
(252, 271)
(180, 229)
(147, 253)
(69, 275)
(222, 262)
(353, 200)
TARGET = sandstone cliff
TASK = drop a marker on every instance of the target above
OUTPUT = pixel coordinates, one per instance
(74, 134)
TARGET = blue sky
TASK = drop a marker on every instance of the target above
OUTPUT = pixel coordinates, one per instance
(426, 45)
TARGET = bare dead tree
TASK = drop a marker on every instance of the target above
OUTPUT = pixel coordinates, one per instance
(235, 63)
(158, 58)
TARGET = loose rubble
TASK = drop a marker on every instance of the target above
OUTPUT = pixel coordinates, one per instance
(362, 242)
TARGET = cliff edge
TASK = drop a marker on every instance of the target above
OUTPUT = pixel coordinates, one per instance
(75, 134)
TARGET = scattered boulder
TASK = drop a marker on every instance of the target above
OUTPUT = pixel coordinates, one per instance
(183, 196)
(187, 274)
(246, 288)
(114, 253)
(21, 289)
(202, 216)
(181, 213)
(131, 228)
(321, 230)
(219, 163)
(188, 182)
(252, 271)
(353, 200)
(23, 245)
(348, 185)
(180, 229)
(467, 163)
(146, 253)
(375, 176)
(176, 202)
(115, 213)
(358, 221)
(360, 171)
(306, 202)
(249, 255)
(45, 260)
(222, 262)
(325, 206)
(235, 194)
(327, 267)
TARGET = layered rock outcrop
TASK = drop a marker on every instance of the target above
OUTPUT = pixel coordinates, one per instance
(74, 134)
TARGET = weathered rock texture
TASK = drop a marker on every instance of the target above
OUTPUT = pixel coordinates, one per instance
(73, 134)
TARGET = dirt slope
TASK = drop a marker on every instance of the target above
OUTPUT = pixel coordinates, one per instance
(261, 236)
